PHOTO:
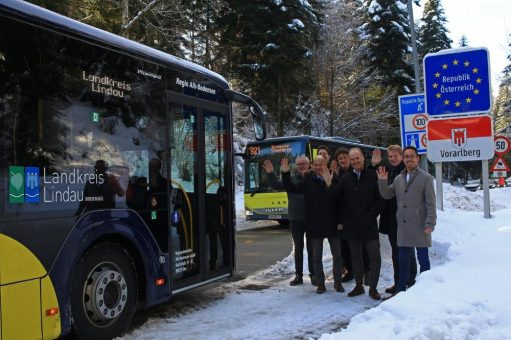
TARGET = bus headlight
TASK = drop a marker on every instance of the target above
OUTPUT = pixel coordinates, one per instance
(248, 212)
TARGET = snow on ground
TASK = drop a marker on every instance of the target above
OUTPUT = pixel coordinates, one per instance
(466, 297)
(463, 296)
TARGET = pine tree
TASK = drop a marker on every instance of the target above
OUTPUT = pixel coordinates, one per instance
(201, 31)
(268, 45)
(463, 41)
(432, 31)
(386, 34)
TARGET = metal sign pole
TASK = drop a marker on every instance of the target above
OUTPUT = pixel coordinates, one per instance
(439, 189)
(424, 164)
(486, 189)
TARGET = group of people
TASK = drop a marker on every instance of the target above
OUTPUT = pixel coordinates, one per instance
(341, 200)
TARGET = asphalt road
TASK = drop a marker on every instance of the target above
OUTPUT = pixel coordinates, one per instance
(259, 248)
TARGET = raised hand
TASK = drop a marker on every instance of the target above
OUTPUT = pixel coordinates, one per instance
(268, 166)
(382, 173)
(284, 165)
(327, 176)
(334, 167)
(376, 157)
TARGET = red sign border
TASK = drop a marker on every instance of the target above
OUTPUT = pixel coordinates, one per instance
(502, 153)
(420, 115)
(492, 169)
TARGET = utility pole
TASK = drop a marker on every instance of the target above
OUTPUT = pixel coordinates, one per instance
(424, 160)
(414, 49)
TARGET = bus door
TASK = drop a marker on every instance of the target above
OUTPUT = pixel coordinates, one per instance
(201, 234)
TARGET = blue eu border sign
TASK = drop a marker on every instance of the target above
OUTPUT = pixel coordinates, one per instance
(457, 82)
(413, 121)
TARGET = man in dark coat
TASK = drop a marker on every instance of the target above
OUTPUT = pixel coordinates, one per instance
(358, 204)
(318, 190)
(388, 222)
(296, 216)
(341, 166)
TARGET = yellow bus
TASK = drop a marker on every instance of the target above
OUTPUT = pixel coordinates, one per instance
(116, 180)
(265, 203)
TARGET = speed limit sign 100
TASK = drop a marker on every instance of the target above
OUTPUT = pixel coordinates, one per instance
(502, 145)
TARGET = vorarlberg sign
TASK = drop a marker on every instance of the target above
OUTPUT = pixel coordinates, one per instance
(460, 139)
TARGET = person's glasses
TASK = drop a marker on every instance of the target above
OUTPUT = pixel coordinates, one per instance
(300, 164)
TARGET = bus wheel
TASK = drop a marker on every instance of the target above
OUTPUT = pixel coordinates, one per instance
(104, 292)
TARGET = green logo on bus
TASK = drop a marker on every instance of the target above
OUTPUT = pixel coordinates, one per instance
(23, 184)
(16, 186)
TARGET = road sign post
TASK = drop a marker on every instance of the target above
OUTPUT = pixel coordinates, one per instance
(486, 188)
(457, 84)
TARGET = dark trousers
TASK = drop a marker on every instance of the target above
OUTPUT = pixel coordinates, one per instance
(395, 260)
(317, 253)
(346, 256)
(404, 264)
(297, 232)
(373, 252)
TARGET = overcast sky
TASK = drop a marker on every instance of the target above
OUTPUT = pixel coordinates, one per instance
(485, 23)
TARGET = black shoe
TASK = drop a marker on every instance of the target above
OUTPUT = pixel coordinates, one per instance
(373, 293)
(314, 281)
(321, 288)
(358, 290)
(347, 277)
(366, 278)
(410, 284)
(338, 287)
(298, 280)
(391, 290)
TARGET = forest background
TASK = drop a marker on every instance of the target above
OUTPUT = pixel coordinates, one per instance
(318, 67)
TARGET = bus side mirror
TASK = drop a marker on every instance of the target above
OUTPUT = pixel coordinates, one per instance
(258, 115)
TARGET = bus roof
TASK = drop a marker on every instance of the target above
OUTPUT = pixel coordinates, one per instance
(53, 20)
(319, 140)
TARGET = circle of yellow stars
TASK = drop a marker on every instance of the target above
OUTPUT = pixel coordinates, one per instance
(445, 66)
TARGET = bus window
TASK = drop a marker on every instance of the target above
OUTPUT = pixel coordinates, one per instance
(216, 202)
(183, 163)
(257, 179)
(253, 176)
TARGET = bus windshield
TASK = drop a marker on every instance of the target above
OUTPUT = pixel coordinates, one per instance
(255, 175)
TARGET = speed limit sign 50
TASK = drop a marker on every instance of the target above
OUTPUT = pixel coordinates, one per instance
(502, 145)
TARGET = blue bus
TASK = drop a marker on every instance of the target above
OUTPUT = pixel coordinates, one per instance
(116, 178)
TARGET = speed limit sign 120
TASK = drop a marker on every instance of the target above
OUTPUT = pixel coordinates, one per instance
(502, 145)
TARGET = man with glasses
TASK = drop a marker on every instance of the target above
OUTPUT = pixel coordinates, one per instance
(388, 222)
(416, 212)
(296, 216)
